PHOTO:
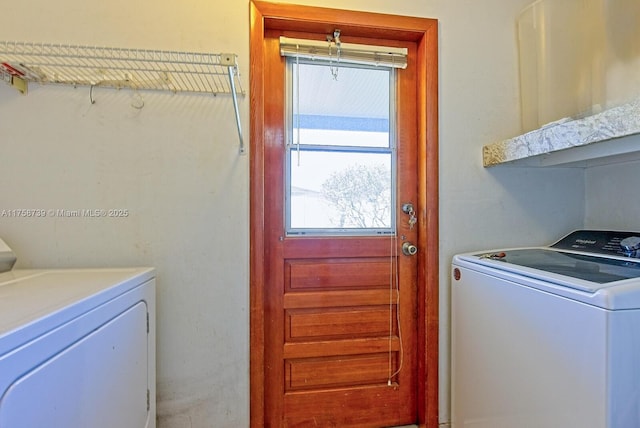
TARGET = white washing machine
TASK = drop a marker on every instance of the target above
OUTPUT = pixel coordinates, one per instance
(548, 337)
(77, 348)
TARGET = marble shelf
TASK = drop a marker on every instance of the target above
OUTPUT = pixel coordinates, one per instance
(610, 136)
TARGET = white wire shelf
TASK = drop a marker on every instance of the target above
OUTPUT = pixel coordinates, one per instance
(138, 69)
(122, 68)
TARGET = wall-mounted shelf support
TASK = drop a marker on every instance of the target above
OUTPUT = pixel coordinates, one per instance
(138, 69)
(232, 69)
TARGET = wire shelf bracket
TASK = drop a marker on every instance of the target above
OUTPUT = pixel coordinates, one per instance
(138, 69)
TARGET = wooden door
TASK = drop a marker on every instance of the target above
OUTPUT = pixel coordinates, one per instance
(340, 323)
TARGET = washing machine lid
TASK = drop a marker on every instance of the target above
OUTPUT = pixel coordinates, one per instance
(587, 260)
(597, 271)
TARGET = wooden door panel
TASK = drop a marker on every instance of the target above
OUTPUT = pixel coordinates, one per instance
(313, 324)
(338, 371)
(305, 409)
(339, 273)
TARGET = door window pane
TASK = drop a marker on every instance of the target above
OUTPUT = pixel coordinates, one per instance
(337, 190)
(351, 110)
(341, 157)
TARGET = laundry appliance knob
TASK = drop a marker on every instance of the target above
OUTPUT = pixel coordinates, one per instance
(630, 246)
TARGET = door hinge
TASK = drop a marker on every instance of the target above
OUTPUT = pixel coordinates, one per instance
(147, 322)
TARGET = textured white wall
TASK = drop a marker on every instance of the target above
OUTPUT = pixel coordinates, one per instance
(174, 166)
(612, 197)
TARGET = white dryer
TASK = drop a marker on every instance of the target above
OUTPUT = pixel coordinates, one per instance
(77, 348)
(548, 337)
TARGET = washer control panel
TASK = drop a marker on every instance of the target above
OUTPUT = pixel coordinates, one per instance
(615, 243)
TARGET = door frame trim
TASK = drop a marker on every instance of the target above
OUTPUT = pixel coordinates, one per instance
(424, 32)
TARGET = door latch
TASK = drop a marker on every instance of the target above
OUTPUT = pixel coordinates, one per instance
(408, 249)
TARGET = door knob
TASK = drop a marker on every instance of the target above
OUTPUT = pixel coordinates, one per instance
(408, 249)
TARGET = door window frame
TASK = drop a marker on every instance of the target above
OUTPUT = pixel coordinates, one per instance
(265, 17)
